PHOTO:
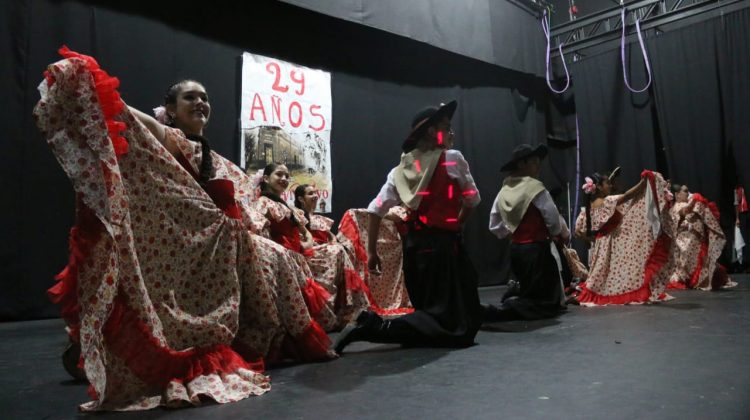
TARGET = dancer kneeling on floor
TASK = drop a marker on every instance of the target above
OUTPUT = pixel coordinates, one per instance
(437, 187)
(525, 211)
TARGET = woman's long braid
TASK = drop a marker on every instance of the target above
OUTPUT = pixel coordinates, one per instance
(588, 215)
(207, 160)
(299, 192)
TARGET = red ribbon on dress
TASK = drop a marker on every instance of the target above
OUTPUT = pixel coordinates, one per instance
(315, 295)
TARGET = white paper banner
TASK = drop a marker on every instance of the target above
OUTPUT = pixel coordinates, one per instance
(285, 117)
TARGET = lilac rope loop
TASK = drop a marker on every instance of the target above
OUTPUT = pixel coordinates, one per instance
(643, 50)
(545, 28)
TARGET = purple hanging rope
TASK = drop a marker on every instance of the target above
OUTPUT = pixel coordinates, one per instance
(643, 50)
(545, 28)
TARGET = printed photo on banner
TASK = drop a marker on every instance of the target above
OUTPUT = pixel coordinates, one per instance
(286, 118)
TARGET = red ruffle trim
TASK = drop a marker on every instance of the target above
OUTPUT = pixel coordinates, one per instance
(316, 296)
(310, 346)
(696, 275)
(636, 296)
(109, 98)
(83, 236)
(676, 285)
(657, 258)
(354, 282)
(130, 339)
(349, 229)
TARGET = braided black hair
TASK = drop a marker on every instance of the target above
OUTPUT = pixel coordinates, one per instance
(207, 164)
(266, 191)
(299, 192)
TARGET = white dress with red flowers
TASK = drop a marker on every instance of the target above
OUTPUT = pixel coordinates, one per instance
(169, 294)
(388, 294)
(627, 264)
(698, 244)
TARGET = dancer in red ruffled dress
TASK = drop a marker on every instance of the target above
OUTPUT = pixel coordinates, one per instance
(336, 288)
(698, 243)
(167, 294)
(631, 237)
(327, 244)
(388, 294)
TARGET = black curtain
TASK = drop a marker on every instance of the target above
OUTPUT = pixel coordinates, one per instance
(686, 81)
(379, 80)
(616, 126)
(733, 51)
(691, 124)
(501, 32)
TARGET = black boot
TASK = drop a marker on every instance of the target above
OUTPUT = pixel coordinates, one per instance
(364, 329)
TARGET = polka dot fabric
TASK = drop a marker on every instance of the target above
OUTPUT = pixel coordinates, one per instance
(619, 260)
(387, 290)
(174, 301)
(698, 244)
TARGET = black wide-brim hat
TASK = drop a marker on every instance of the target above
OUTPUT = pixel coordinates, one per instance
(522, 152)
(424, 119)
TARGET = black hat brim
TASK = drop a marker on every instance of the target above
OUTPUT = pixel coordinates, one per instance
(446, 110)
(539, 150)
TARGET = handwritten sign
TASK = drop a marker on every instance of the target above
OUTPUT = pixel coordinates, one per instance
(286, 118)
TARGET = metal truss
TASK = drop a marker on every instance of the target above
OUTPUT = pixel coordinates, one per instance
(601, 27)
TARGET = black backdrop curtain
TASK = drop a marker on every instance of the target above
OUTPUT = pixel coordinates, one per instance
(379, 81)
(616, 126)
(691, 124)
(688, 100)
(734, 62)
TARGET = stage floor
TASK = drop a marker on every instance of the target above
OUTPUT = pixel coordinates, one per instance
(684, 359)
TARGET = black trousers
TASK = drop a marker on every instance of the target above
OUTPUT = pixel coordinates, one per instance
(540, 293)
(442, 286)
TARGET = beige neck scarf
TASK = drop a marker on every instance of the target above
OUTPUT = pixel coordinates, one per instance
(514, 198)
(414, 174)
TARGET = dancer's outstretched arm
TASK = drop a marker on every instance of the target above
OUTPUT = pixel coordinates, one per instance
(633, 192)
(156, 128)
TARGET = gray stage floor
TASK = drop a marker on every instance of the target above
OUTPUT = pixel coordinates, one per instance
(685, 359)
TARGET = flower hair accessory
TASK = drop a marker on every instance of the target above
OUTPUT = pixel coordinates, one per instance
(589, 187)
(161, 115)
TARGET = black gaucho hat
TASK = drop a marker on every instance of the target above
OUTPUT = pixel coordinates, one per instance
(424, 119)
(522, 152)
